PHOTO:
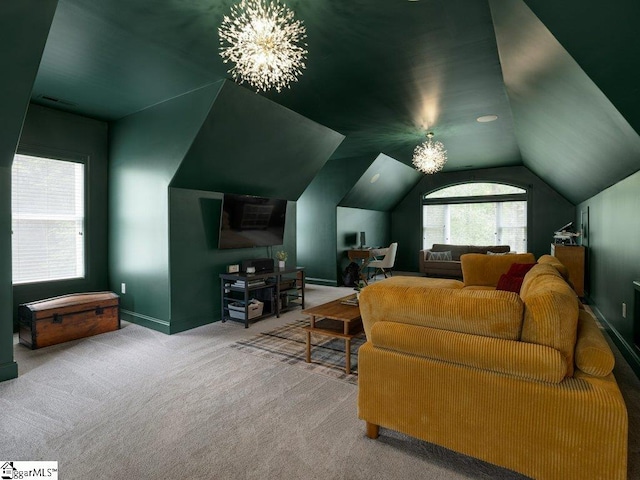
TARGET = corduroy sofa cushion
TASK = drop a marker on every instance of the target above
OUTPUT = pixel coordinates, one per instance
(520, 359)
(554, 262)
(485, 270)
(550, 313)
(533, 276)
(482, 312)
(593, 355)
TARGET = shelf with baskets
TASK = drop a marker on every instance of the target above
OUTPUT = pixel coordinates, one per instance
(251, 297)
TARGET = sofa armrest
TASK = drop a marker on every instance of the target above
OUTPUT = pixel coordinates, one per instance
(593, 354)
(525, 360)
(422, 258)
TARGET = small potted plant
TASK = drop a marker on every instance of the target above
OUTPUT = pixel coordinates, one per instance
(282, 258)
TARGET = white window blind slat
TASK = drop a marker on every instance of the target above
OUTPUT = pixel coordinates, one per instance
(47, 202)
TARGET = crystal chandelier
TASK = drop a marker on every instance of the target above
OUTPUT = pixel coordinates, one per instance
(429, 157)
(265, 43)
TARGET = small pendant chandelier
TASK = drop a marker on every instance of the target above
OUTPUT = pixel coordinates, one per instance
(429, 157)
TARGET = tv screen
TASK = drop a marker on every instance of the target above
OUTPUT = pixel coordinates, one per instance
(248, 221)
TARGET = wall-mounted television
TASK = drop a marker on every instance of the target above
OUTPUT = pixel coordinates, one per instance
(247, 221)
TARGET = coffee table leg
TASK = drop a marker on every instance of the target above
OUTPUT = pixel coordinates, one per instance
(347, 354)
(308, 347)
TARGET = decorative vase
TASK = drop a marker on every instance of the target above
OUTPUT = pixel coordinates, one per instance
(280, 263)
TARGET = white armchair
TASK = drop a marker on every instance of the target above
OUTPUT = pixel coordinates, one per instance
(386, 263)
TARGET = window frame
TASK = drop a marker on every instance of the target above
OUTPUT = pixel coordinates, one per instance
(72, 157)
(509, 197)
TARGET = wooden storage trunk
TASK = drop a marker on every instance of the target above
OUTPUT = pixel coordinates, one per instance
(69, 317)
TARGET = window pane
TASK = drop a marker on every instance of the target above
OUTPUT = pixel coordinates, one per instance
(47, 219)
(435, 221)
(512, 225)
(473, 224)
(485, 223)
(475, 189)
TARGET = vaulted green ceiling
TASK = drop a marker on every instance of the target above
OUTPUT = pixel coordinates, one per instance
(381, 71)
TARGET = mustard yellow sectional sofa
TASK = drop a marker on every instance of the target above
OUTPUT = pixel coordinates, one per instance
(520, 380)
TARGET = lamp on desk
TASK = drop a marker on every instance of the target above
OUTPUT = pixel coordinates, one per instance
(362, 240)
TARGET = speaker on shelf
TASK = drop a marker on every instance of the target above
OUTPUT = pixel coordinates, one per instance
(363, 242)
(260, 264)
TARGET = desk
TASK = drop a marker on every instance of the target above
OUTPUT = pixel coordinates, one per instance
(364, 255)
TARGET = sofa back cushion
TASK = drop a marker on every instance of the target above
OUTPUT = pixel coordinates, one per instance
(550, 312)
(485, 270)
(489, 248)
(481, 312)
(439, 256)
(456, 250)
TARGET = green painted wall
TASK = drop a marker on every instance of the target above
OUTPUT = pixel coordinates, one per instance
(196, 260)
(146, 150)
(548, 210)
(317, 220)
(352, 221)
(325, 231)
(248, 145)
(24, 26)
(598, 37)
(251, 145)
(168, 166)
(564, 124)
(614, 259)
(57, 134)
(382, 185)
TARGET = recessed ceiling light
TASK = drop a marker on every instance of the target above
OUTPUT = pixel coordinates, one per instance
(375, 178)
(487, 118)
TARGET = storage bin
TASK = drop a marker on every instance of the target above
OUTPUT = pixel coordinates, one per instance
(237, 309)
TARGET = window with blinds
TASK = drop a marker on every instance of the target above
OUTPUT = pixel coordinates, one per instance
(476, 214)
(47, 205)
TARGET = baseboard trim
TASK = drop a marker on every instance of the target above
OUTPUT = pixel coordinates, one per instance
(321, 281)
(8, 371)
(629, 352)
(189, 323)
(146, 321)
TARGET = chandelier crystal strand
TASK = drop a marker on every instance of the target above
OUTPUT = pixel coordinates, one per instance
(429, 157)
(265, 43)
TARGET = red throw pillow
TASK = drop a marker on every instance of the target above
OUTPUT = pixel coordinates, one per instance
(520, 269)
(509, 283)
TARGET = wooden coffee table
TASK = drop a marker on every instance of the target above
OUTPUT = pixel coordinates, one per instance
(337, 320)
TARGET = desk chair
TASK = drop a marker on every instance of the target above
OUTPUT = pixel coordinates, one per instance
(386, 263)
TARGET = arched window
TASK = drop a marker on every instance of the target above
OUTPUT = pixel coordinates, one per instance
(476, 214)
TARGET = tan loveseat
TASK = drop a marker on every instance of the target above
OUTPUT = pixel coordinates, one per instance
(522, 381)
(452, 268)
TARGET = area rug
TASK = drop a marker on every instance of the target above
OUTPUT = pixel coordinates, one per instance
(287, 344)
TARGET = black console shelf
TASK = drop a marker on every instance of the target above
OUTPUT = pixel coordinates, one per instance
(280, 290)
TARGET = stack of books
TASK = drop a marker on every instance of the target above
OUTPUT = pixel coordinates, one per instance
(257, 282)
(350, 301)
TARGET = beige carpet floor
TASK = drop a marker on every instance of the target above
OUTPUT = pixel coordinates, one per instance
(139, 404)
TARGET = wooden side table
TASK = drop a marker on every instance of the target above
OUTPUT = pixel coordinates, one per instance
(572, 257)
(337, 320)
